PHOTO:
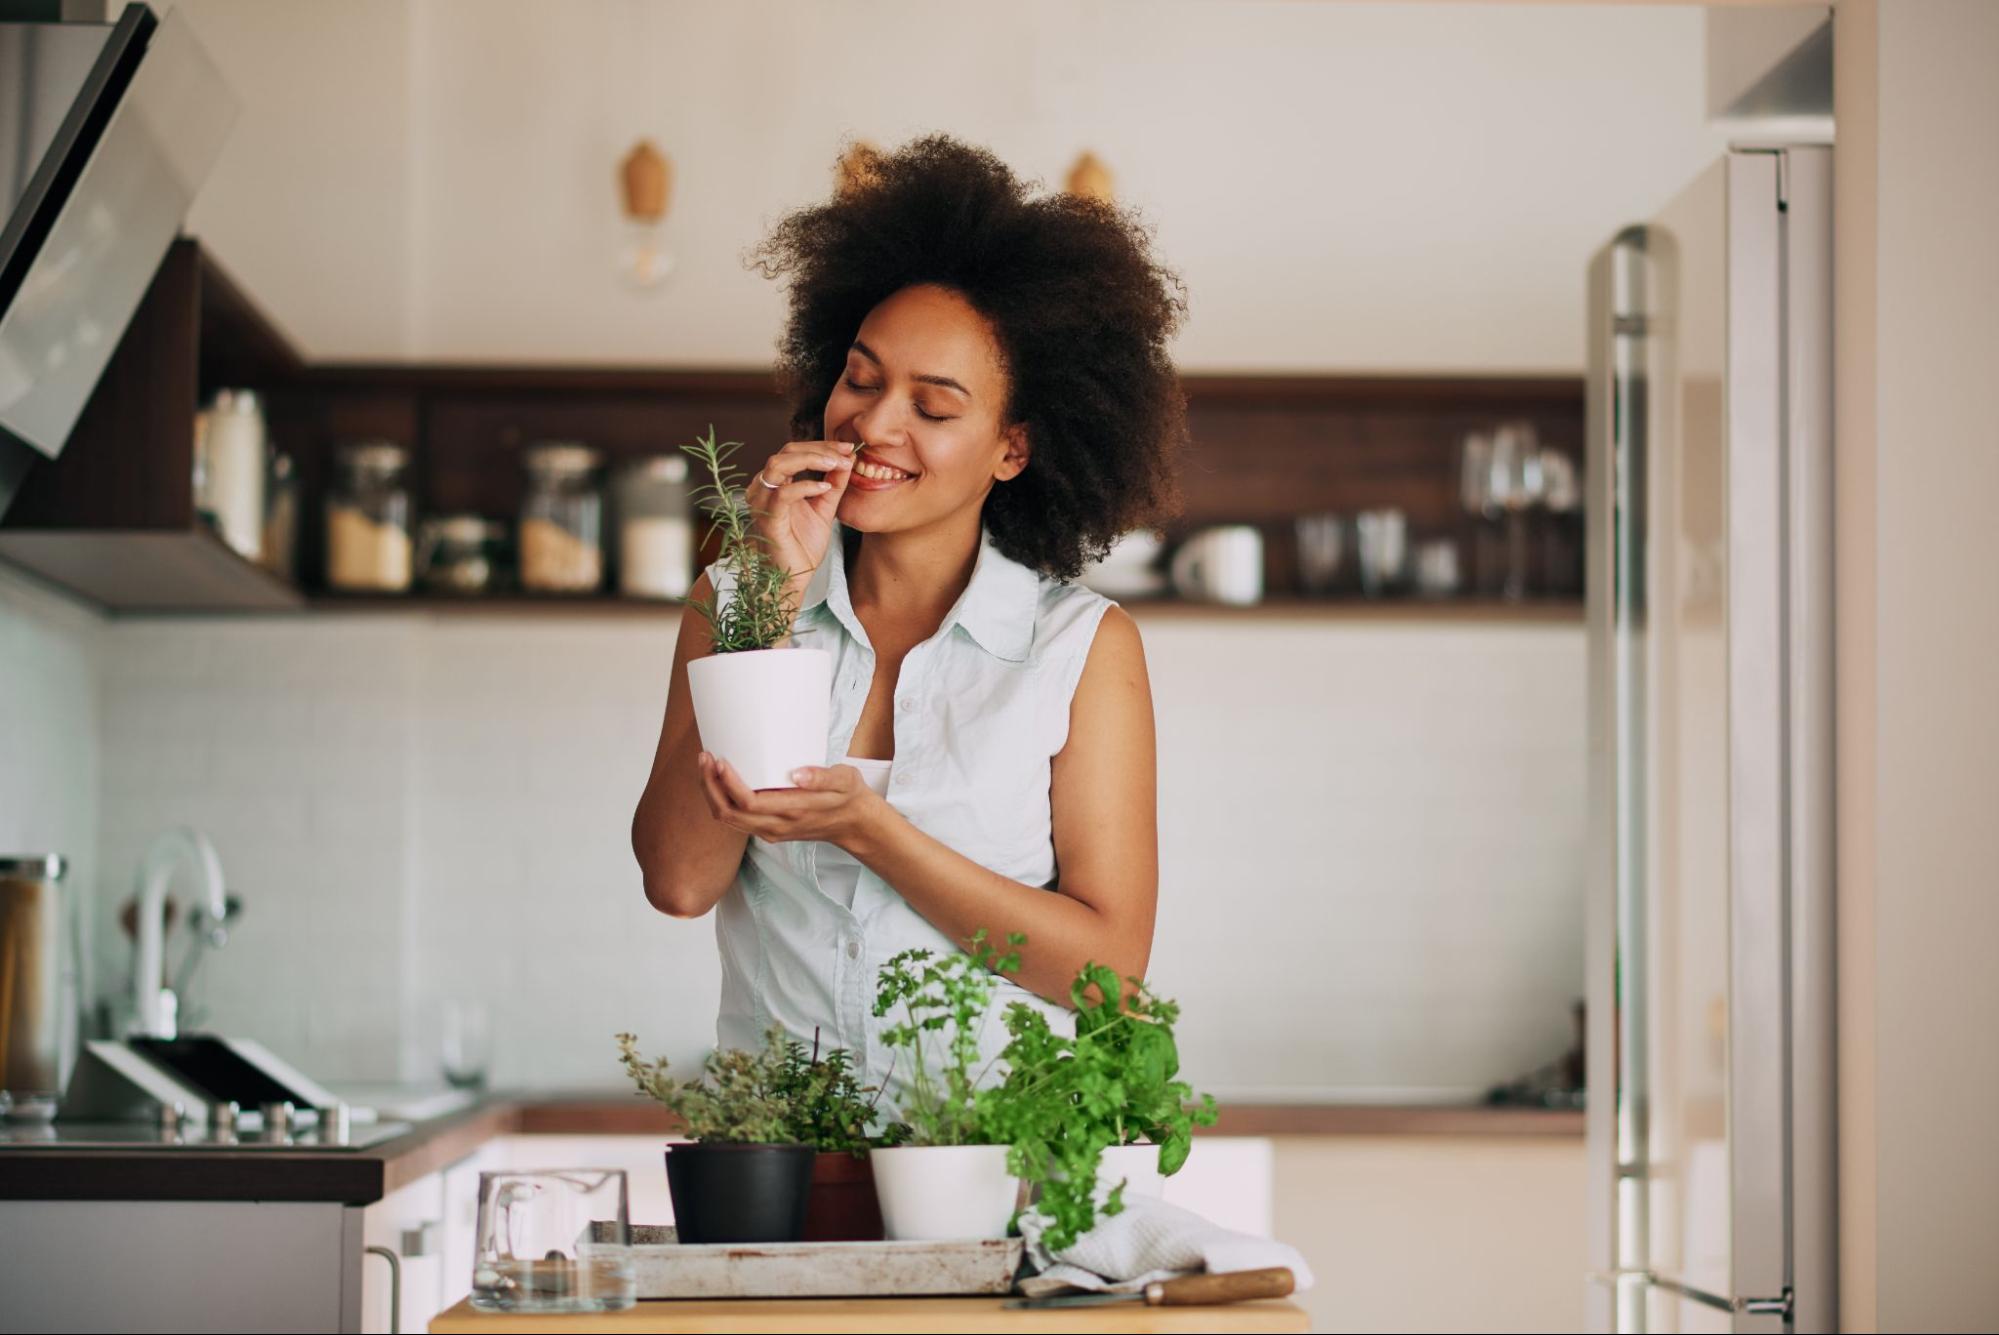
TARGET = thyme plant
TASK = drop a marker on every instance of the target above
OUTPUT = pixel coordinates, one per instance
(783, 1095)
(760, 612)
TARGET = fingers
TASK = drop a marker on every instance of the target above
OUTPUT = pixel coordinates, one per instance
(804, 456)
(768, 814)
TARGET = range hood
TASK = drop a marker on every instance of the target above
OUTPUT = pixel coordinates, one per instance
(106, 133)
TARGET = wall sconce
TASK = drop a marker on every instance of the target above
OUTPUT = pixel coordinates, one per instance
(646, 181)
(1089, 178)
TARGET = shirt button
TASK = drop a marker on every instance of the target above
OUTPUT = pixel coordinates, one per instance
(907, 704)
(853, 950)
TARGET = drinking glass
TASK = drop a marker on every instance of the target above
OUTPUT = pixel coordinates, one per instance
(464, 1043)
(1384, 550)
(1518, 483)
(556, 1240)
(1322, 552)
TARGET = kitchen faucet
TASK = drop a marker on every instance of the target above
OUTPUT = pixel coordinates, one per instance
(156, 1006)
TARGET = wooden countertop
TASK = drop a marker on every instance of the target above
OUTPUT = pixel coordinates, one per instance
(882, 1314)
(360, 1177)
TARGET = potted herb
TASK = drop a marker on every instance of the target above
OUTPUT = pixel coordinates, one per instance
(829, 1109)
(1101, 1112)
(746, 1177)
(951, 1180)
(763, 709)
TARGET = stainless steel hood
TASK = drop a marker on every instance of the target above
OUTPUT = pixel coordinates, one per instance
(106, 133)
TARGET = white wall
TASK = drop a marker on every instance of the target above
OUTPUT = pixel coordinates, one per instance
(418, 808)
(49, 655)
(1404, 187)
(1921, 309)
(309, 205)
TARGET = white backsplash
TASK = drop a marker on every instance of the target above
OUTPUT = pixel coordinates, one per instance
(49, 655)
(1370, 840)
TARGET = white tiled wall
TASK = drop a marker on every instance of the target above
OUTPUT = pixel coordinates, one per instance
(1370, 840)
(49, 652)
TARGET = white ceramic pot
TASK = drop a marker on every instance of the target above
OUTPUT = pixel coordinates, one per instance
(1137, 1166)
(933, 1193)
(765, 711)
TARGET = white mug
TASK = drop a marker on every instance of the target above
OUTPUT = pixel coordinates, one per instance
(1223, 565)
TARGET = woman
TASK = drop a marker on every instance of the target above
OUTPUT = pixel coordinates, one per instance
(985, 382)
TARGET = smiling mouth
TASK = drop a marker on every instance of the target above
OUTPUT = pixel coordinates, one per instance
(880, 472)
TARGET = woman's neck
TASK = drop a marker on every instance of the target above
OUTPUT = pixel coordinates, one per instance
(913, 579)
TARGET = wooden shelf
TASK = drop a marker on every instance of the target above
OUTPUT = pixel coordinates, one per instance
(112, 518)
(1406, 610)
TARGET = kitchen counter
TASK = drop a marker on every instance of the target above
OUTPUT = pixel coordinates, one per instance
(882, 1314)
(363, 1176)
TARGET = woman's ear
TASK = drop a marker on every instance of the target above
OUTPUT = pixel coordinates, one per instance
(1014, 462)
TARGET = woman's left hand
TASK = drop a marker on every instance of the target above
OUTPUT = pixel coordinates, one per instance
(830, 803)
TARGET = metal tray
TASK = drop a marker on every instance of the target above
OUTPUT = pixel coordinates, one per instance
(668, 1269)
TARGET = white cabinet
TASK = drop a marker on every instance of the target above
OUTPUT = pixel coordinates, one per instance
(409, 1225)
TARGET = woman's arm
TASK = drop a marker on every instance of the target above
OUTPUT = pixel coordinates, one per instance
(689, 858)
(1104, 795)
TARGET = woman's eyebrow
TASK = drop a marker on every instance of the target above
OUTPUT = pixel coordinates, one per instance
(946, 381)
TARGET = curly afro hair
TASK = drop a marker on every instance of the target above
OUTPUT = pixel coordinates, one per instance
(1081, 311)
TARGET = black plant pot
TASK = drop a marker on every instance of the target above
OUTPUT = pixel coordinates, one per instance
(739, 1193)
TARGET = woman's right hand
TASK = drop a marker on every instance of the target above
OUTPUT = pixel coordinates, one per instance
(796, 519)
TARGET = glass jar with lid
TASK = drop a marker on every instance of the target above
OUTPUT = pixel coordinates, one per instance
(460, 554)
(655, 528)
(562, 519)
(368, 518)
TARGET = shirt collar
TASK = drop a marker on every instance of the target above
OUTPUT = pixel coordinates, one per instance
(997, 608)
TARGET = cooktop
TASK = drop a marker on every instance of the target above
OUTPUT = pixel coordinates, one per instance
(147, 1136)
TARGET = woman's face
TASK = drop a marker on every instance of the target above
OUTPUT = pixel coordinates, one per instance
(924, 388)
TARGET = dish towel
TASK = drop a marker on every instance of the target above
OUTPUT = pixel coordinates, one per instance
(1148, 1240)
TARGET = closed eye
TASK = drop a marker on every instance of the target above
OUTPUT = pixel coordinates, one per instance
(926, 415)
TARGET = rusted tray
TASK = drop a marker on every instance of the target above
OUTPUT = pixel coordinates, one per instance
(668, 1269)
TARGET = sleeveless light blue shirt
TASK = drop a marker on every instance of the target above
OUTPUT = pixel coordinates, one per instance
(981, 709)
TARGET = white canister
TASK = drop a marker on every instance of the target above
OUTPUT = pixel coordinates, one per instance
(655, 529)
(234, 449)
(765, 711)
(1222, 565)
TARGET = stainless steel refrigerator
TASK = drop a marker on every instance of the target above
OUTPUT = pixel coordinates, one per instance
(1710, 931)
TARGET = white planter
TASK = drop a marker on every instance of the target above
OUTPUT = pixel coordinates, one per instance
(933, 1193)
(1137, 1166)
(765, 711)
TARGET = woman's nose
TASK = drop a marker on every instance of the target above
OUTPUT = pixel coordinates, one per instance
(877, 423)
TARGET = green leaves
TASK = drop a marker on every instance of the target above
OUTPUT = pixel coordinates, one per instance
(784, 1095)
(943, 1004)
(761, 611)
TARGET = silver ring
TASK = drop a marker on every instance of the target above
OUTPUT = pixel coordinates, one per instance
(774, 486)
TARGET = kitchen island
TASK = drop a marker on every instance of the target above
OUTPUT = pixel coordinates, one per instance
(301, 1238)
(880, 1314)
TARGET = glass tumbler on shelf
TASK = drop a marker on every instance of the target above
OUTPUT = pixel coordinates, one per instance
(557, 1240)
(1517, 485)
(1384, 551)
(369, 519)
(562, 519)
(1324, 548)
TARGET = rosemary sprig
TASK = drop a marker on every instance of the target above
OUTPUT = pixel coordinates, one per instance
(761, 611)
